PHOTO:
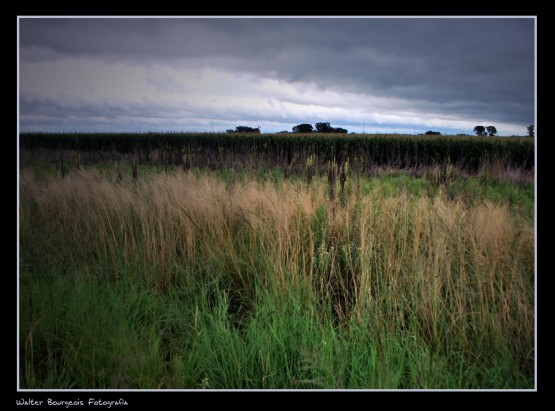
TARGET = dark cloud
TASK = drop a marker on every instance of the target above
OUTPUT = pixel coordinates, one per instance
(77, 114)
(456, 66)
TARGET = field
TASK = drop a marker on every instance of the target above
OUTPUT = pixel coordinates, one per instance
(272, 262)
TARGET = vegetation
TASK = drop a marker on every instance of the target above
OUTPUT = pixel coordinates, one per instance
(480, 131)
(485, 131)
(303, 128)
(310, 273)
(245, 151)
(244, 129)
(530, 130)
(491, 130)
(326, 128)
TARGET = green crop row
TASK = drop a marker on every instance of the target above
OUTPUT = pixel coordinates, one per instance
(401, 151)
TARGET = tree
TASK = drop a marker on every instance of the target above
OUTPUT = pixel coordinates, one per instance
(491, 130)
(324, 128)
(480, 130)
(246, 129)
(530, 130)
(432, 133)
(303, 128)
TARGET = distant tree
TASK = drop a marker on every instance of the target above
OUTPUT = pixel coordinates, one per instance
(245, 129)
(283, 132)
(491, 130)
(324, 128)
(530, 130)
(432, 133)
(303, 128)
(480, 130)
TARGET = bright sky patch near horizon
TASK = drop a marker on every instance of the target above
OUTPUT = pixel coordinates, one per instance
(373, 75)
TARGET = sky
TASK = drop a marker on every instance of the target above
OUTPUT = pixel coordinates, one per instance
(372, 75)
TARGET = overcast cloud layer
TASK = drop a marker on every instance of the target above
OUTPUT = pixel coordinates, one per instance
(383, 75)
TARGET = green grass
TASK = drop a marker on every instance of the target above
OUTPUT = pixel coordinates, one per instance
(224, 280)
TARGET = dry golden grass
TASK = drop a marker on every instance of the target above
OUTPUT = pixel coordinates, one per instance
(432, 267)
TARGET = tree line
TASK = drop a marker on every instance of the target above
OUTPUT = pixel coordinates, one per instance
(320, 128)
(491, 130)
(326, 128)
(484, 131)
(300, 128)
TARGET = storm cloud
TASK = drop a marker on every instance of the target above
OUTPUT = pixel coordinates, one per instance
(391, 74)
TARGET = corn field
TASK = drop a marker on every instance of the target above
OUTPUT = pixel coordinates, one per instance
(291, 153)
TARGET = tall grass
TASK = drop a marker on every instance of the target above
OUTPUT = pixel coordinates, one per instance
(188, 281)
